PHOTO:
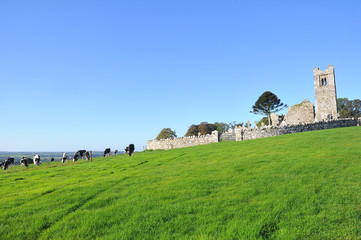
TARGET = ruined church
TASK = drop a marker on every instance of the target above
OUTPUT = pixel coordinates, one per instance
(325, 108)
(301, 117)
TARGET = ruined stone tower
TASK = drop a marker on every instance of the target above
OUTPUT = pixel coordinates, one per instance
(325, 94)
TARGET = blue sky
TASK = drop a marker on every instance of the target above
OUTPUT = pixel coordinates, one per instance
(97, 74)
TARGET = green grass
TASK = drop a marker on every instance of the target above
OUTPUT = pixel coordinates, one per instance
(299, 186)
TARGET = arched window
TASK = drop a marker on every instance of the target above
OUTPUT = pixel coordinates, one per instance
(325, 81)
(322, 82)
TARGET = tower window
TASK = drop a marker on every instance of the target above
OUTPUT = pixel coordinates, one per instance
(323, 81)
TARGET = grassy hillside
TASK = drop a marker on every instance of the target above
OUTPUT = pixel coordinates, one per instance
(299, 186)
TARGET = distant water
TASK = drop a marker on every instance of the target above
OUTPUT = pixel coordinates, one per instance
(44, 156)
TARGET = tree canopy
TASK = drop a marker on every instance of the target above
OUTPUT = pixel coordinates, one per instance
(349, 108)
(166, 133)
(206, 128)
(268, 103)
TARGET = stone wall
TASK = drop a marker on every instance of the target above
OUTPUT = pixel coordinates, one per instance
(301, 113)
(243, 133)
(182, 142)
(228, 136)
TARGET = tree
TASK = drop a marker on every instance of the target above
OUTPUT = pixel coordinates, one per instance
(166, 133)
(349, 108)
(268, 103)
(234, 124)
(221, 127)
(192, 131)
(263, 120)
(341, 102)
(205, 128)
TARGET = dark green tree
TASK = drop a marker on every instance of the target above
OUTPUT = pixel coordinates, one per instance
(221, 127)
(341, 102)
(192, 131)
(166, 133)
(263, 120)
(205, 128)
(349, 108)
(268, 103)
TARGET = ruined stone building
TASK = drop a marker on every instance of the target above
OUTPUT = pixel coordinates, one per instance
(325, 100)
(325, 94)
(301, 117)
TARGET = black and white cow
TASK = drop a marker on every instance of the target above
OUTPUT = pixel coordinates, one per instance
(36, 160)
(87, 155)
(76, 156)
(126, 150)
(107, 152)
(8, 162)
(115, 152)
(64, 158)
(81, 153)
(131, 149)
(23, 162)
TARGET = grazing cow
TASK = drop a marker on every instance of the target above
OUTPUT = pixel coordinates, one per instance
(107, 152)
(126, 150)
(23, 162)
(87, 155)
(81, 153)
(65, 157)
(52, 160)
(115, 152)
(36, 160)
(131, 149)
(8, 162)
(76, 156)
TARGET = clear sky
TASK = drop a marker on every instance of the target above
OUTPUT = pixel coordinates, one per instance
(96, 74)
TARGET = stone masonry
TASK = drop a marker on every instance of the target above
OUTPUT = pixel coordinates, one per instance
(244, 133)
(325, 94)
(230, 135)
(182, 142)
(301, 113)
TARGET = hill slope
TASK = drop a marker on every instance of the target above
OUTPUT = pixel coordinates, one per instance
(299, 186)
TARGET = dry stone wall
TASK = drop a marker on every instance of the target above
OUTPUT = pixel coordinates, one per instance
(243, 133)
(182, 142)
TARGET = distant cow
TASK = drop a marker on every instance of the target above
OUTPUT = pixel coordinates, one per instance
(131, 149)
(52, 160)
(36, 160)
(107, 152)
(23, 162)
(76, 156)
(115, 152)
(87, 155)
(8, 162)
(126, 150)
(65, 157)
(81, 153)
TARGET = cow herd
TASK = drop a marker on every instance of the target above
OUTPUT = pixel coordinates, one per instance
(84, 154)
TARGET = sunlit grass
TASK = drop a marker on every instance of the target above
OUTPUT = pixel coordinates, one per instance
(299, 186)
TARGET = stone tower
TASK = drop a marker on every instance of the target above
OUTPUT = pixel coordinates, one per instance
(325, 94)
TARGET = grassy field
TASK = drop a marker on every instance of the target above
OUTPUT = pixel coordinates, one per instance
(299, 186)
